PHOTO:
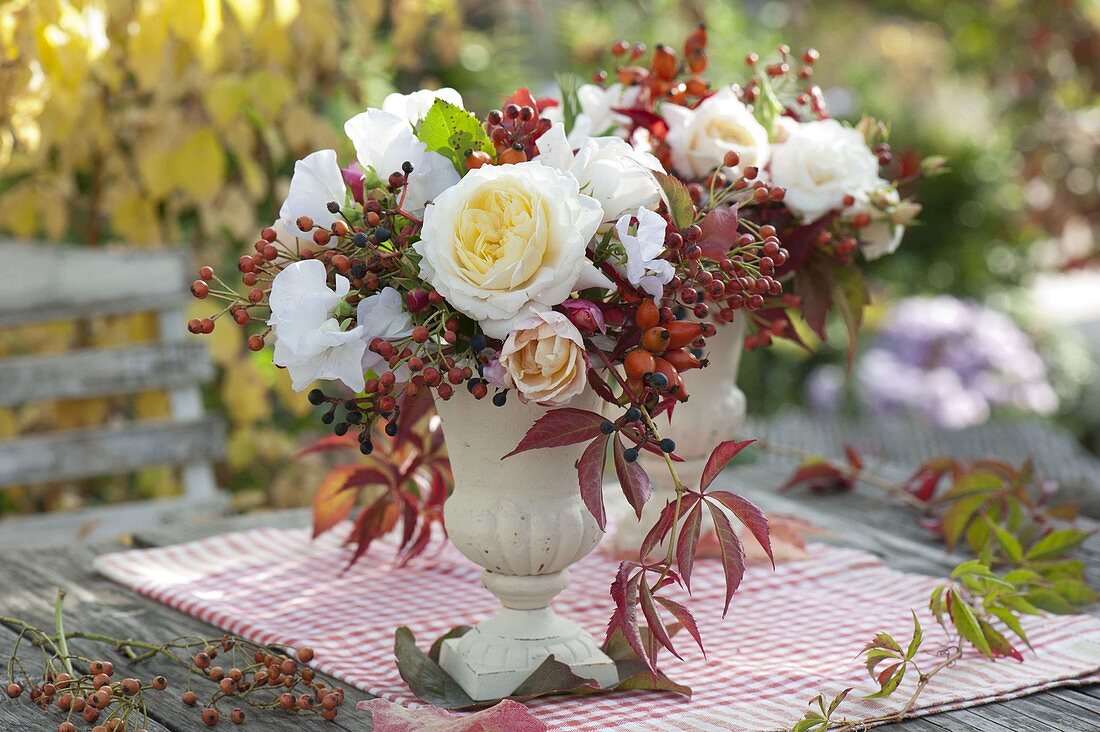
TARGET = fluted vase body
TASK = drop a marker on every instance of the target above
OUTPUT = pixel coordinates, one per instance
(523, 520)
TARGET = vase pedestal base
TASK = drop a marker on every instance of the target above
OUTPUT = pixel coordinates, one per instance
(493, 659)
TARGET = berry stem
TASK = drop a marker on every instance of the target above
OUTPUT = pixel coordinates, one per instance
(59, 628)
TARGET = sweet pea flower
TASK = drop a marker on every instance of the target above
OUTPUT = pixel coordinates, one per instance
(382, 316)
(309, 341)
(544, 358)
(384, 142)
(586, 315)
(644, 267)
(317, 181)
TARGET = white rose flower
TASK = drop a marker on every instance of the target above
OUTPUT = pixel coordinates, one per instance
(317, 181)
(819, 163)
(700, 138)
(309, 341)
(882, 236)
(382, 315)
(508, 239)
(414, 107)
(384, 141)
(606, 168)
(543, 357)
(644, 267)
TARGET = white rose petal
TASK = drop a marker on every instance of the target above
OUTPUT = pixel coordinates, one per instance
(881, 236)
(819, 163)
(606, 168)
(700, 138)
(384, 142)
(508, 239)
(414, 107)
(543, 357)
(317, 181)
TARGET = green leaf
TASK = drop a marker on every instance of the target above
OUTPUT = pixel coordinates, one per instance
(964, 620)
(551, 677)
(890, 685)
(1074, 591)
(837, 700)
(427, 680)
(810, 723)
(956, 518)
(974, 482)
(918, 638)
(1008, 542)
(677, 198)
(1049, 600)
(850, 297)
(1009, 618)
(570, 105)
(974, 568)
(450, 131)
(1056, 543)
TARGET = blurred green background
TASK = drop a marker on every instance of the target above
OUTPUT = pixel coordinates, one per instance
(178, 122)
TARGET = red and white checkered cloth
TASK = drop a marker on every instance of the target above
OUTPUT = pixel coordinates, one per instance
(789, 635)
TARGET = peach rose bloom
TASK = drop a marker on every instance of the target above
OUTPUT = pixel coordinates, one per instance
(544, 358)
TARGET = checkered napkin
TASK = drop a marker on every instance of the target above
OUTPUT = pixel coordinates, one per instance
(789, 635)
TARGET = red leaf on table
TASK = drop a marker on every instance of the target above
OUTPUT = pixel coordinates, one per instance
(508, 715)
(750, 515)
(560, 427)
(685, 618)
(719, 458)
(590, 474)
(820, 476)
(632, 477)
(339, 491)
(853, 457)
(733, 554)
(687, 542)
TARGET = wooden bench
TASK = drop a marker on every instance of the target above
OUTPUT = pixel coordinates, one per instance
(78, 284)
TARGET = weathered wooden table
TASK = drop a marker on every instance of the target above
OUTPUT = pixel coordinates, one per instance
(862, 519)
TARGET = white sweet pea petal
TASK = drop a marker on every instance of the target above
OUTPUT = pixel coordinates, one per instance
(881, 236)
(302, 284)
(644, 267)
(326, 352)
(414, 107)
(317, 181)
(382, 315)
(384, 142)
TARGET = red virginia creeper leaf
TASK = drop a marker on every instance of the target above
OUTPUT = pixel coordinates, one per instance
(750, 515)
(559, 427)
(687, 542)
(338, 492)
(624, 590)
(820, 476)
(854, 458)
(332, 442)
(733, 554)
(685, 618)
(632, 477)
(590, 474)
(653, 620)
(719, 458)
(374, 521)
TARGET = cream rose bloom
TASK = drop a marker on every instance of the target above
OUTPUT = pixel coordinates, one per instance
(543, 357)
(819, 163)
(700, 138)
(507, 240)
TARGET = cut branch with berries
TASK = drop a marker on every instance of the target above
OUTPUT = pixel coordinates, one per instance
(222, 674)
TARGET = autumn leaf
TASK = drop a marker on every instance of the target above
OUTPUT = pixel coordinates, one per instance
(719, 458)
(632, 477)
(560, 427)
(590, 474)
(338, 492)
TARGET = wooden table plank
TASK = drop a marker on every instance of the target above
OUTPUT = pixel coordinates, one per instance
(94, 602)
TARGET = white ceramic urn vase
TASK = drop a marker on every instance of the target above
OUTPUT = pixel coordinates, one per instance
(714, 412)
(524, 521)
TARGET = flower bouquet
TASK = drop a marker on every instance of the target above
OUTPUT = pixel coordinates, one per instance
(840, 203)
(521, 272)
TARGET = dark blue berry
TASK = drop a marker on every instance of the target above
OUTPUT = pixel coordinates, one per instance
(630, 454)
(500, 398)
(668, 445)
(478, 342)
(366, 447)
(316, 396)
(333, 207)
(391, 429)
(360, 239)
(341, 428)
(382, 234)
(633, 414)
(607, 427)
(328, 418)
(658, 381)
